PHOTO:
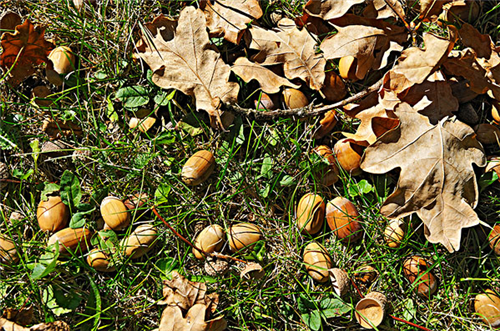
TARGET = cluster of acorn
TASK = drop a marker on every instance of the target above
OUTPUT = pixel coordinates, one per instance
(53, 216)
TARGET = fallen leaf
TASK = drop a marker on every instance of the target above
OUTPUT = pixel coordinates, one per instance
(329, 9)
(415, 64)
(480, 43)
(375, 121)
(370, 41)
(53, 326)
(23, 316)
(9, 21)
(437, 180)
(313, 24)
(23, 50)
(56, 129)
(430, 9)
(465, 64)
(230, 17)
(181, 292)
(293, 48)
(268, 80)
(181, 56)
(252, 270)
(382, 9)
(172, 320)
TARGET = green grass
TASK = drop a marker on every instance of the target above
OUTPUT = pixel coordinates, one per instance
(263, 168)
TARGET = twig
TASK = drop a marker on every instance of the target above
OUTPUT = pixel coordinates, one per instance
(217, 255)
(307, 111)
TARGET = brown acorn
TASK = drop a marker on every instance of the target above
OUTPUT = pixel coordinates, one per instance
(136, 204)
(71, 240)
(52, 215)
(317, 262)
(294, 98)
(326, 124)
(487, 133)
(394, 233)
(140, 241)
(328, 175)
(115, 213)
(347, 67)
(243, 235)
(342, 217)
(494, 239)
(334, 87)
(310, 213)
(416, 267)
(210, 239)
(487, 306)
(8, 251)
(266, 102)
(63, 59)
(348, 154)
(100, 261)
(198, 168)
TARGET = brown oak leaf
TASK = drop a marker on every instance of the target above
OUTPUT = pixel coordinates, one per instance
(23, 50)
(429, 9)
(230, 17)
(415, 64)
(181, 57)
(437, 179)
(172, 320)
(268, 80)
(293, 48)
(53, 326)
(382, 9)
(329, 9)
(480, 43)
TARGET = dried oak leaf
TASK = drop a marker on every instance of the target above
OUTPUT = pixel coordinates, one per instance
(415, 64)
(430, 9)
(329, 9)
(56, 129)
(293, 48)
(313, 24)
(268, 80)
(480, 43)
(437, 179)
(53, 326)
(382, 9)
(480, 74)
(370, 41)
(172, 320)
(23, 50)
(230, 17)
(181, 57)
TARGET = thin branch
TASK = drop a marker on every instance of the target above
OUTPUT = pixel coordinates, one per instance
(215, 255)
(307, 111)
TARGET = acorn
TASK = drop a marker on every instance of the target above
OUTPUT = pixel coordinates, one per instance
(8, 251)
(348, 155)
(310, 213)
(115, 213)
(143, 124)
(326, 124)
(340, 281)
(294, 98)
(416, 267)
(342, 217)
(494, 239)
(243, 235)
(140, 241)
(210, 239)
(136, 204)
(100, 261)
(394, 233)
(334, 87)
(266, 102)
(63, 59)
(366, 275)
(53, 214)
(493, 165)
(330, 175)
(487, 133)
(317, 262)
(198, 168)
(71, 240)
(487, 306)
(347, 68)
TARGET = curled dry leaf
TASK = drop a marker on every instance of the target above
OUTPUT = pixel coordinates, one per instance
(172, 320)
(480, 43)
(381, 9)
(293, 48)
(429, 9)
(57, 129)
(230, 17)
(23, 50)
(181, 56)
(329, 9)
(53, 326)
(415, 64)
(252, 270)
(268, 80)
(437, 180)
(9, 21)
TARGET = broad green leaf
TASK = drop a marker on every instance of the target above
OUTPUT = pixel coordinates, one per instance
(162, 98)
(487, 179)
(48, 189)
(267, 165)
(110, 111)
(78, 219)
(189, 129)
(165, 138)
(166, 266)
(133, 96)
(312, 320)
(360, 188)
(287, 180)
(333, 307)
(35, 148)
(161, 193)
(46, 263)
(70, 189)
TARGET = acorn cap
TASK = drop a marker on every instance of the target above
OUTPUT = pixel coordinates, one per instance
(370, 310)
(340, 281)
